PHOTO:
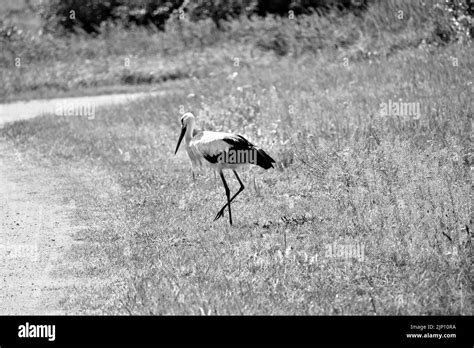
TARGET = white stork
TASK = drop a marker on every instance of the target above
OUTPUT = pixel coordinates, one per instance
(220, 151)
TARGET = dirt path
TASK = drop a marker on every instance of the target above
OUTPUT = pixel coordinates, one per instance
(35, 230)
(28, 109)
(35, 224)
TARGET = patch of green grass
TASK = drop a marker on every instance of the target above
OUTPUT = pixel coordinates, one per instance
(396, 185)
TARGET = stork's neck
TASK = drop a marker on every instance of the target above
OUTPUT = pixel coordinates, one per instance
(189, 132)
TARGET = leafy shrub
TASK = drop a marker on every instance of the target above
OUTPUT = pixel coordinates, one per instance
(88, 15)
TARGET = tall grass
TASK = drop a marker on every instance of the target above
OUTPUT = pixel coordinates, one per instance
(33, 61)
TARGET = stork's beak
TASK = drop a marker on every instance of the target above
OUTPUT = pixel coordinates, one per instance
(183, 131)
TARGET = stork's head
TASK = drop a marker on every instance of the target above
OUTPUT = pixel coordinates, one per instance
(187, 122)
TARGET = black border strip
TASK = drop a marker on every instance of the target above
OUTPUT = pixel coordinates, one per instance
(277, 330)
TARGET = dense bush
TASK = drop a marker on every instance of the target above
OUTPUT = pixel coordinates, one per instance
(89, 15)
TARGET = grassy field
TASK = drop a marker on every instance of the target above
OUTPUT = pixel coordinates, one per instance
(393, 186)
(37, 63)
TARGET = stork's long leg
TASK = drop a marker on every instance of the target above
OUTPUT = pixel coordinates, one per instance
(221, 212)
(227, 193)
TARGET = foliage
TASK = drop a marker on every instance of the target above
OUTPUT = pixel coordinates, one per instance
(91, 14)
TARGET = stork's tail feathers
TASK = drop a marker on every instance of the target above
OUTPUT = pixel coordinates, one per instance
(264, 160)
(240, 143)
